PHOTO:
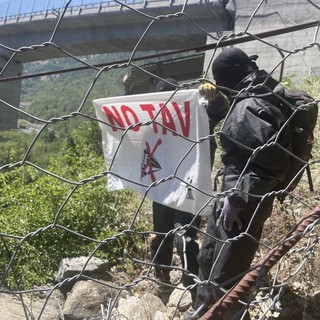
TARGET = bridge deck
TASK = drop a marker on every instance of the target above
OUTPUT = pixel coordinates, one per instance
(111, 28)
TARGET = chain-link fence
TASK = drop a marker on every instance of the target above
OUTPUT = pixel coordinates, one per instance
(283, 280)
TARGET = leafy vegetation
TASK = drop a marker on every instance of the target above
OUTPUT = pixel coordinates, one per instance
(52, 204)
(42, 229)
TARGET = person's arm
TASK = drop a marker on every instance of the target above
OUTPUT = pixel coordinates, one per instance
(217, 106)
(217, 109)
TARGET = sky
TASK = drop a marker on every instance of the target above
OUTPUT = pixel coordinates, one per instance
(14, 7)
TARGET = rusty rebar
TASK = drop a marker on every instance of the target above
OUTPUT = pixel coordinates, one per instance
(242, 289)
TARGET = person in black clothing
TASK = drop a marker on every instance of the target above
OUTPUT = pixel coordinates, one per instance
(166, 219)
(252, 171)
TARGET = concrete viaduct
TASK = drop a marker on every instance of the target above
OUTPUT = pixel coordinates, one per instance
(105, 28)
(155, 25)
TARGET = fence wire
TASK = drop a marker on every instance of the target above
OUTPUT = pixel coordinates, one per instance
(294, 271)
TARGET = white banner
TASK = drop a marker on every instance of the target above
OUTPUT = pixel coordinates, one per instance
(151, 144)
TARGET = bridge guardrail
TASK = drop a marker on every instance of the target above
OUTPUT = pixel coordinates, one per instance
(11, 11)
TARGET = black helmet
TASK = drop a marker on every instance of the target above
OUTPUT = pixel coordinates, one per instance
(231, 66)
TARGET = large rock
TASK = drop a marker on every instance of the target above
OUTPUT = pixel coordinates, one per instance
(13, 307)
(180, 298)
(95, 267)
(70, 270)
(86, 299)
(144, 308)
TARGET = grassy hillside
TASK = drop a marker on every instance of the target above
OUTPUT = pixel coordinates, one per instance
(62, 93)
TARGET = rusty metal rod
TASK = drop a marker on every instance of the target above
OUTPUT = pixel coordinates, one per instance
(242, 288)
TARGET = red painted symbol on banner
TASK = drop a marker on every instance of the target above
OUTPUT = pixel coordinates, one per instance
(149, 163)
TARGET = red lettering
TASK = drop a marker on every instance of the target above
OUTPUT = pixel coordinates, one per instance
(126, 111)
(150, 108)
(128, 117)
(185, 125)
(113, 117)
(167, 120)
(116, 120)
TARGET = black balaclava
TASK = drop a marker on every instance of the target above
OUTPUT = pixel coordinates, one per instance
(165, 86)
(231, 66)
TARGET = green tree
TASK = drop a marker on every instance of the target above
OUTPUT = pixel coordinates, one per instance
(44, 218)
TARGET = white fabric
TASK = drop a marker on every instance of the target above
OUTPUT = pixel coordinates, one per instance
(142, 154)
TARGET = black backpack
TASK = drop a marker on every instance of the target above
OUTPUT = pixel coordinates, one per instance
(301, 110)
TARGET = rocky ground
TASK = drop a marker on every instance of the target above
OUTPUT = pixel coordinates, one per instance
(144, 299)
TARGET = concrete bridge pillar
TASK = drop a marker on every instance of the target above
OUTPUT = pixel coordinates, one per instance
(10, 92)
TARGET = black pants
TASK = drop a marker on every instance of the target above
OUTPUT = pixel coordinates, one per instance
(166, 219)
(224, 263)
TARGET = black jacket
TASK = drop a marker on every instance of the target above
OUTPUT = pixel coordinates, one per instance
(254, 160)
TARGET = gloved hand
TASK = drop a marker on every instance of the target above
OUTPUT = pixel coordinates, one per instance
(229, 215)
(208, 90)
